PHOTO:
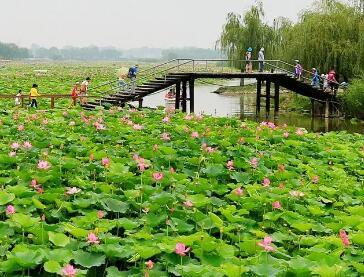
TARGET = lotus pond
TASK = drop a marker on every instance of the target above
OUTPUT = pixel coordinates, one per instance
(141, 193)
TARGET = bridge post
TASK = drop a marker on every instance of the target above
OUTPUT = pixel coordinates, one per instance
(184, 96)
(267, 98)
(192, 95)
(276, 99)
(178, 95)
(327, 109)
(259, 93)
(140, 102)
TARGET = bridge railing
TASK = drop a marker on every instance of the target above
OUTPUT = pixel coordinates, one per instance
(200, 65)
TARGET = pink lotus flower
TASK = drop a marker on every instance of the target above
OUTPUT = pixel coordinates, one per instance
(99, 126)
(344, 238)
(230, 165)
(142, 165)
(188, 117)
(284, 125)
(188, 204)
(10, 210)
(12, 154)
(276, 205)
(21, 127)
(40, 190)
(242, 140)
(199, 117)
(300, 132)
(157, 176)
(71, 191)
(27, 145)
(254, 162)
(15, 145)
(266, 182)
(281, 167)
(100, 214)
(285, 134)
(172, 170)
(34, 183)
(238, 191)
(281, 185)
(210, 149)
(315, 179)
(92, 239)
(165, 137)
(195, 134)
(69, 271)
(137, 127)
(43, 165)
(295, 193)
(266, 244)
(186, 129)
(65, 114)
(155, 147)
(181, 249)
(105, 162)
(149, 264)
(45, 121)
(166, 119)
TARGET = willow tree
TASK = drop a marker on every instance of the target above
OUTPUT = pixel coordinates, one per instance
(330, 35)
(242, 32)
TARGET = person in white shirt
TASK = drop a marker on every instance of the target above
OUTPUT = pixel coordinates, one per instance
(261, 59)
(18, 98)
(84, 90)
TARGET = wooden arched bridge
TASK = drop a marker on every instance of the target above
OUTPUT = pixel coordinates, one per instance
(182, 74)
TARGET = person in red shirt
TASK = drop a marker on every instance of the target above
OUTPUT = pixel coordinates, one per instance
(74, 95)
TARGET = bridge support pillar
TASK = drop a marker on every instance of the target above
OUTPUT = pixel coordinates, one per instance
(140, 102)
(184, 96)
(192, 95)
(276, 99)
(327, 109)
(267, 98)
(259, 93)
(178, 95)
(312, 109)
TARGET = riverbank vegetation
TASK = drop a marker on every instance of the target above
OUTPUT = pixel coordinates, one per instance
(329, 35)
(133, 193)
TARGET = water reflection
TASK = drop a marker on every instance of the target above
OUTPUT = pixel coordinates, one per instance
(244, 106)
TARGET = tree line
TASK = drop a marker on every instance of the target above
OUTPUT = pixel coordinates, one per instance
(328, 35)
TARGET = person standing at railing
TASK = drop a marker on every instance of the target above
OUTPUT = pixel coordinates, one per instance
(261, 59)
(315, 78)
(33, 96)
(332, 80)
(248, 60)
(83, 90)
(298, 70)
(18, 98)
(133, 71)
(74, 95)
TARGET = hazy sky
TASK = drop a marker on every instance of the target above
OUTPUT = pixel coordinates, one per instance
(127, 24)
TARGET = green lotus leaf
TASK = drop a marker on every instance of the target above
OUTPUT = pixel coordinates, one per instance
(87, 259)
(52, 267)
(6, 198)
(58, 239)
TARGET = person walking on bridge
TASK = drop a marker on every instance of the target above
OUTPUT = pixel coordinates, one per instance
(84, 90)
(261, 59)
(133, 71)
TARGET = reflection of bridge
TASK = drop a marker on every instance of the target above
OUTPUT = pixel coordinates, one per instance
(182, 73)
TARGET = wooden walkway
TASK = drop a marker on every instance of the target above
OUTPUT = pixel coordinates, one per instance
(184, 83)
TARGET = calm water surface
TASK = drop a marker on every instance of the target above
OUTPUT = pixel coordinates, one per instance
(243, 106)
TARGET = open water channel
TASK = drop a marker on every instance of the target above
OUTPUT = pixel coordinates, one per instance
(243, 106)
